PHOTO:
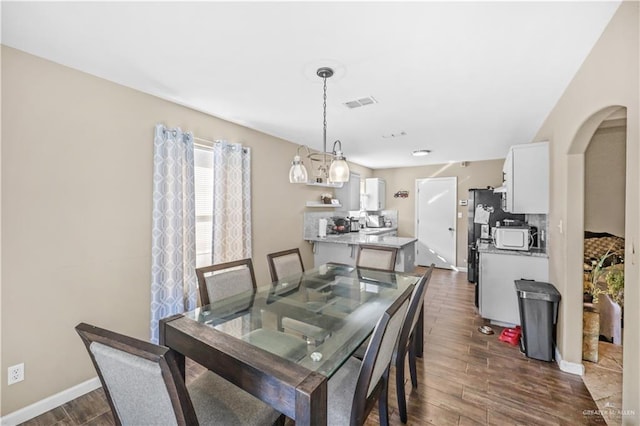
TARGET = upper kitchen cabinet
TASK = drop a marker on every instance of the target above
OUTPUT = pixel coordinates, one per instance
(375, 193)
(349, 194)
(526, 179)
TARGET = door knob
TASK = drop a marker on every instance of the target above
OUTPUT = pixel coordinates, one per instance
(451, 229)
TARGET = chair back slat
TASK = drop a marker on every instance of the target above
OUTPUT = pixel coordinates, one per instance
(217, 282)
(377, 257)
(410, 341)
(377, 358)
(136, 385)
(387, 345)
(417, 299)
(285, 263)
(142, 381)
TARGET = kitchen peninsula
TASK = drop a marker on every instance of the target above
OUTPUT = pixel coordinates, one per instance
(343, 248)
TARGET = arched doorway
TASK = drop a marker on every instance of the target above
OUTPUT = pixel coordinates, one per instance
(577, 177)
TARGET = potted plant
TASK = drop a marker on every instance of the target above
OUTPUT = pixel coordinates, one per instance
(591, 288)
(609, 281)
(590, 314)
(615, 285)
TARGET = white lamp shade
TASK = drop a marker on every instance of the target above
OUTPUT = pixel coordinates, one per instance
(298, 172)
(339, 171)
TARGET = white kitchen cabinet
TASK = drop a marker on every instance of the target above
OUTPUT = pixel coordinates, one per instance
(526, 179)
(498, 298)
(349, 194)
(375, 192)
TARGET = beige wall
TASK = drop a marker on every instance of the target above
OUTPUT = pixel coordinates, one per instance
(477, 174)
(1, 356)
(76, 213)
(605, 174)
(607, 80)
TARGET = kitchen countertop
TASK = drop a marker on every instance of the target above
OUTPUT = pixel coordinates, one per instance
(490, 248)
(363, 238)
(377, 231)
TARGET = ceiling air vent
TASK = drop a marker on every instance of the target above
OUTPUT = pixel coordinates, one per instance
(361, 102)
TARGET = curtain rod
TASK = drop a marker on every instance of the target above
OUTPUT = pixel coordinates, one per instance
(195, 138)
(206, 143)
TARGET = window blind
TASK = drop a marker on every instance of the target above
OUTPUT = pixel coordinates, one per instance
(203, 176)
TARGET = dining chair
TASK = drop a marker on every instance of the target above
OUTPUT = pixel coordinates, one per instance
(288, 263)
(377, 257)
(407, 342)
(285, 263)
(224, 280)
(356, 386)
(228, 279)
(144, 385)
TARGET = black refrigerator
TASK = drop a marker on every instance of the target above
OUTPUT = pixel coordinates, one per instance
(491, 204)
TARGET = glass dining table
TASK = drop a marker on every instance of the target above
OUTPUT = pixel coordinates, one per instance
(282, 342)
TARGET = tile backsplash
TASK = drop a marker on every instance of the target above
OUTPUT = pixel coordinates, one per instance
(311, 219)
(540, 222)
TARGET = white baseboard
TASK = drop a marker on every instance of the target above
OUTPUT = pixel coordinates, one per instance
(461, 268)
(569, 367)
(49, 403)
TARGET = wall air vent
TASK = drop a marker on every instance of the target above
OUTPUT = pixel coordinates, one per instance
(357, 103)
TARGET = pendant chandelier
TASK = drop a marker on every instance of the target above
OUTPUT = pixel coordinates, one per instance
(333, 167)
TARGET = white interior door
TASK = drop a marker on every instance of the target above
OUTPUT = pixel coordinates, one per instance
(436, 221)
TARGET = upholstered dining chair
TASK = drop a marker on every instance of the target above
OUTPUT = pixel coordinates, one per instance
(377, 257)
(356, 386)
(408, 340)
(228, 279)
(406, 343)
(144, 386)
(288, 263)
(224, 280)
(285, 263)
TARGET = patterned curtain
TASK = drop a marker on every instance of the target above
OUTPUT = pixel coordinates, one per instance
(173, 253)
(231, 239)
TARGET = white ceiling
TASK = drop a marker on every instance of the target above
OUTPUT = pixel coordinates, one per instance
(463, 79)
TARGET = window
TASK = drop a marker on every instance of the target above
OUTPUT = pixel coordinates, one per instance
(222, 176)
(203, 176)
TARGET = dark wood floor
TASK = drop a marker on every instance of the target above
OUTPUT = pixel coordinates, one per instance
(465, 377)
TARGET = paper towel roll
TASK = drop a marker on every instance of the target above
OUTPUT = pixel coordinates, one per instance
(322, 228)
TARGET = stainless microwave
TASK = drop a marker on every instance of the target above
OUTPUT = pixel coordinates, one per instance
(375, 221)
(512, 237)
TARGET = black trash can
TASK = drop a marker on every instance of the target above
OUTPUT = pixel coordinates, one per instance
(538, 304)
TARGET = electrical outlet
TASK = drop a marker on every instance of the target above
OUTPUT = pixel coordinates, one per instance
(15, 373)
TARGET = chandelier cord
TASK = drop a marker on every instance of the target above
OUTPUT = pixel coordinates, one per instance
(324, 111)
